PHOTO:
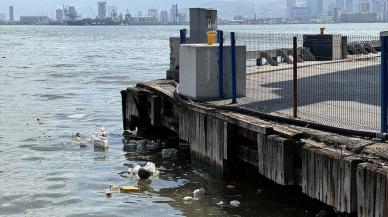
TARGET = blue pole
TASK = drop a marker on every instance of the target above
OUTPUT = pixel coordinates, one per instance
(384, 80)
(220, 37)
(183, 35)
(234, 68)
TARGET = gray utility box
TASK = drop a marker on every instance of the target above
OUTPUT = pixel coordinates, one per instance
(198, 72)
(324, 47)
(201, 21)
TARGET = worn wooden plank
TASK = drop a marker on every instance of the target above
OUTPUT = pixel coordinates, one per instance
(311, 173)
(370, 192)
(361, 189)
(287, 132)
(325, 196)
(183, 126)
(227, 140)
(276, 158)
(337, 168)
(318, 175)
(304, 170)
(214, 140)
(155, 111)
(245, 121)
(330, 177)
(381, 203)
(261, 143)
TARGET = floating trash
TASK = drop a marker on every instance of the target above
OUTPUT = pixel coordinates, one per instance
(130, 146)
(169, 153)
(108, 193)
(129, 189)
(322, 213)
(77, 116)
(114, 187)
(79, 141)
(235, 203)
(147, 145)
(221, 203)
(230, 187)
(144, 172)
(199, 193)
(188, 198)
(100, 140)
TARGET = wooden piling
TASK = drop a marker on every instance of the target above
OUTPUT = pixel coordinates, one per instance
(282, 153)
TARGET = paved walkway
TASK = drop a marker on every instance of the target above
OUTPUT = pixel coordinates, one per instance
(343, 93)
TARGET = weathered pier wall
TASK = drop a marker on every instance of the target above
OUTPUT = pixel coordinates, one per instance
(349, 174)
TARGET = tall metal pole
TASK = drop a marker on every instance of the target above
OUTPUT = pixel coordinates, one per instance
(220, 37)
(295, 77)
(234, 68)
(384, 80)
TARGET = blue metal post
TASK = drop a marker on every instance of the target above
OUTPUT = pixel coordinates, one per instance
(220, 37)
(384, 81)
(234, 68)
(183, 33)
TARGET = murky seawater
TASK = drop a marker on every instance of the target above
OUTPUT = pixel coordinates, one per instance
(56, 81)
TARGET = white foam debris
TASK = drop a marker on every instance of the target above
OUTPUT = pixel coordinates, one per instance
(199, 193)
(100, 140)
(188, 198)
(77, 116)
(235, 203)
(220, 203)
(150, 167)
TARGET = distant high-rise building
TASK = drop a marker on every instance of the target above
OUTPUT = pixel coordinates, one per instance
(2, 17)
(164, 17)
(140, 13)
(101, 9)
(183, 17)
(59, 14)
(378, 6)
(340, 4)
(174, 16)
(315, 7)
(363, 6)
(70, 13)
(153, 13)
(290, 5)
(300, 13)
(11, 17)
(112, 11)
(350, 6)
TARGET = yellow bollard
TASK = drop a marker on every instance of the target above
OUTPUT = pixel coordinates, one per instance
(322, 30)
(211, 37)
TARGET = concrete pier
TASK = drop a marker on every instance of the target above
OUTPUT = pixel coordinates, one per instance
(348, 173)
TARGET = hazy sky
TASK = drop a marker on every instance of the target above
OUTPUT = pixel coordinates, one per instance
(47, 7)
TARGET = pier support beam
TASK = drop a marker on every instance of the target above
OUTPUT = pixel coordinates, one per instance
(276, 158)
(330, 177)
(372, 186)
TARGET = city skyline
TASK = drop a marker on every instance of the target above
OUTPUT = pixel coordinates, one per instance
(246, 11)
(87, 8)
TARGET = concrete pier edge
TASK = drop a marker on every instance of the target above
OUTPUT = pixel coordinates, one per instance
(348, 173)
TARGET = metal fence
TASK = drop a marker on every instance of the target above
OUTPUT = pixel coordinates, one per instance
(334, 81)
